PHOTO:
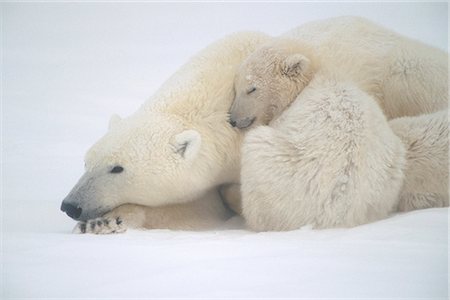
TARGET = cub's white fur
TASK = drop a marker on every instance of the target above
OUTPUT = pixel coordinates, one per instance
(330, 160)
(291, 169)
(426, 173)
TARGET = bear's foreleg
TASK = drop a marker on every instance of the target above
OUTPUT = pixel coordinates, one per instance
(115, 221)
(205, 213)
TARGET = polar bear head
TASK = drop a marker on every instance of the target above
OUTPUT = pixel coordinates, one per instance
(150, 159)
(177, 146)
(269, 80)
(140, 158)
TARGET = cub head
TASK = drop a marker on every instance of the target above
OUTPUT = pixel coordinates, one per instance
(152, 159)
(268, 81)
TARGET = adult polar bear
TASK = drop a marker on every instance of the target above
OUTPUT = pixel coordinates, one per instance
(161, 167)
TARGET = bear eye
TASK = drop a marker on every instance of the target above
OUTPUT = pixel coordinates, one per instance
(251, 90)
(116, 169)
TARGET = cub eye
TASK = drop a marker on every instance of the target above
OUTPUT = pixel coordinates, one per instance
(251, 90)
(116, 169)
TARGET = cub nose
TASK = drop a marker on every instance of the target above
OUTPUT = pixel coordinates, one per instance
(242, 123)
(71, 210)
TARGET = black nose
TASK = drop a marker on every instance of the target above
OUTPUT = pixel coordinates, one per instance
(71, 210)
(233, 123)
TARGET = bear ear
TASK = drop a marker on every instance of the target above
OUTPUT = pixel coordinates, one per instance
(114, 121)
(187, 143)
(294, 65)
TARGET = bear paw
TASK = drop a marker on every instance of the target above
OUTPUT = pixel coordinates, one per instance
(103, 225)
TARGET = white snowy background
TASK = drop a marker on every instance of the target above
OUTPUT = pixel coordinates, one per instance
(66, 67)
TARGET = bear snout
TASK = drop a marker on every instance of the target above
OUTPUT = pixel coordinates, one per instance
(71, 210)
(241, 123)
(233, 123)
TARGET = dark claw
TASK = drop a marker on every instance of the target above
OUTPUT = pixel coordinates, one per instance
(99, 223)
(92, 225)
(118, 221)
(106, 222)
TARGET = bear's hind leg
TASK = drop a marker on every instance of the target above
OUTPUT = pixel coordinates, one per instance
(426, 174)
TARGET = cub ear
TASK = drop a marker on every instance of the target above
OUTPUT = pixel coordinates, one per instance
(187, 143)
(295, 65)
(114, 121)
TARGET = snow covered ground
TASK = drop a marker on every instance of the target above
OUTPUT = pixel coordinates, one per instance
(405, 256)
(67, 67)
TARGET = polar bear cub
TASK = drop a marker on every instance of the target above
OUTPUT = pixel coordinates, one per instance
(330, 160)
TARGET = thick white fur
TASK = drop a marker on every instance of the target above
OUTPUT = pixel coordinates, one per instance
(330, 160)
(291, 170)
(176, 150)
(426, 175)
(159, 188)
(281, 189)
(405, 76)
